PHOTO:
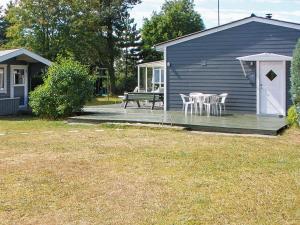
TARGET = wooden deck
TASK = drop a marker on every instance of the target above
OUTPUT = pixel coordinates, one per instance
(229, 123)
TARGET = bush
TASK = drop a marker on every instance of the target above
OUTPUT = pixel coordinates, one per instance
(295, 78)
(294, 111)
(67, 87)
(293, 117)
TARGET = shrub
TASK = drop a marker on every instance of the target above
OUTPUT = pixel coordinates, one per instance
(295, 78)
(293, 117)
(67, 86)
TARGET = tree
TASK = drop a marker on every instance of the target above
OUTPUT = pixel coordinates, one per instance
(176, 18)
(112, 14)
(40, 25)
(85, 29)
(129, 42)
(3, 27)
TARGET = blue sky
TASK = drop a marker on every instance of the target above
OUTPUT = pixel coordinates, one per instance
(230, 9)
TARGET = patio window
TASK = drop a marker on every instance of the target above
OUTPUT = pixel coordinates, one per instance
(158, 78)
(151, 76)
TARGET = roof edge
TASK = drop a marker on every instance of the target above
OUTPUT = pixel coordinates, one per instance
(20, 51)
(161, 46)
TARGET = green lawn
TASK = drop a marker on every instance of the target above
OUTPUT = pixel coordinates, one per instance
(54, 173)
(104, 101)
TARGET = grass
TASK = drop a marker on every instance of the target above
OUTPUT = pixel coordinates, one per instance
(54, 173)
(104, 101)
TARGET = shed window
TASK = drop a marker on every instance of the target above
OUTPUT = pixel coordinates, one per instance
(19, 76)
(2, 85)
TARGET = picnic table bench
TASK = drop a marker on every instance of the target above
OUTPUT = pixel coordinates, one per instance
(138, 96)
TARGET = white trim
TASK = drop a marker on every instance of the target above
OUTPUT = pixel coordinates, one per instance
(139, 79)
(12, 85)
(257, 87)
(146, 80)
(265, 57)
(4, 91)
(285, 91)
(165, 79)
(160, 47)
(152, 64)
(8, 54)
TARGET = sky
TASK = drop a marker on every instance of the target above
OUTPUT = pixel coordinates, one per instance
(230, 10)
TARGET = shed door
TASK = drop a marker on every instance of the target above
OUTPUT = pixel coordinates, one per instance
(19, 87)
(272, 88)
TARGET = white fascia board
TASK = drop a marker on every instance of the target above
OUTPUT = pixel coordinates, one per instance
(160, 47)
(265, 57)
(22, 51)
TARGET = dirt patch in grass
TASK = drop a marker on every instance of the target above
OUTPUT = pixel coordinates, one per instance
(145, 176)
(104, 101)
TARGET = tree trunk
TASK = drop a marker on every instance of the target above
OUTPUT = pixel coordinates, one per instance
(111, 58)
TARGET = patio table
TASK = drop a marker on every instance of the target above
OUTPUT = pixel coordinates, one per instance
(206, 98)
(139, 96)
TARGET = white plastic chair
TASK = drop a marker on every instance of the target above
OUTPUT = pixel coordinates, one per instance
(186, 102)
(211, 104)
(221, 103)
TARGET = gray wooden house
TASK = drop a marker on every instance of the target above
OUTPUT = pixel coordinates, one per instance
(249, 59)
(18, 68)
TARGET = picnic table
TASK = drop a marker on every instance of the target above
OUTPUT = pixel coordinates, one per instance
(139, 96)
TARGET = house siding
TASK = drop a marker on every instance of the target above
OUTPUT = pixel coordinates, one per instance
(208, 64)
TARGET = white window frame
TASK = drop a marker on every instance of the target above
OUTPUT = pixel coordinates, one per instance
(4, 91)
(159, 83)
(25, 85)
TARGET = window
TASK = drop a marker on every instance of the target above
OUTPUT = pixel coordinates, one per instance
(156, 76)
(19, 77)
(271, 75)
(3, 79)
(2, 82)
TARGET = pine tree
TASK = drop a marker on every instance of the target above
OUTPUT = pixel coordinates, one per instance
(3, 27)
(129, 42)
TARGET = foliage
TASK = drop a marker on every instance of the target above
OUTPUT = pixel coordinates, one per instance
(126, 84)
(130, 43)
(293, 118)
(88, 29)
(176, 18)
(67, 86)
(2, 27)
(295, 75)
(114, 16)
(294, 111)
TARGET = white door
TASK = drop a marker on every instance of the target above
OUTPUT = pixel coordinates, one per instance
(19, 83)
(272, 89)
